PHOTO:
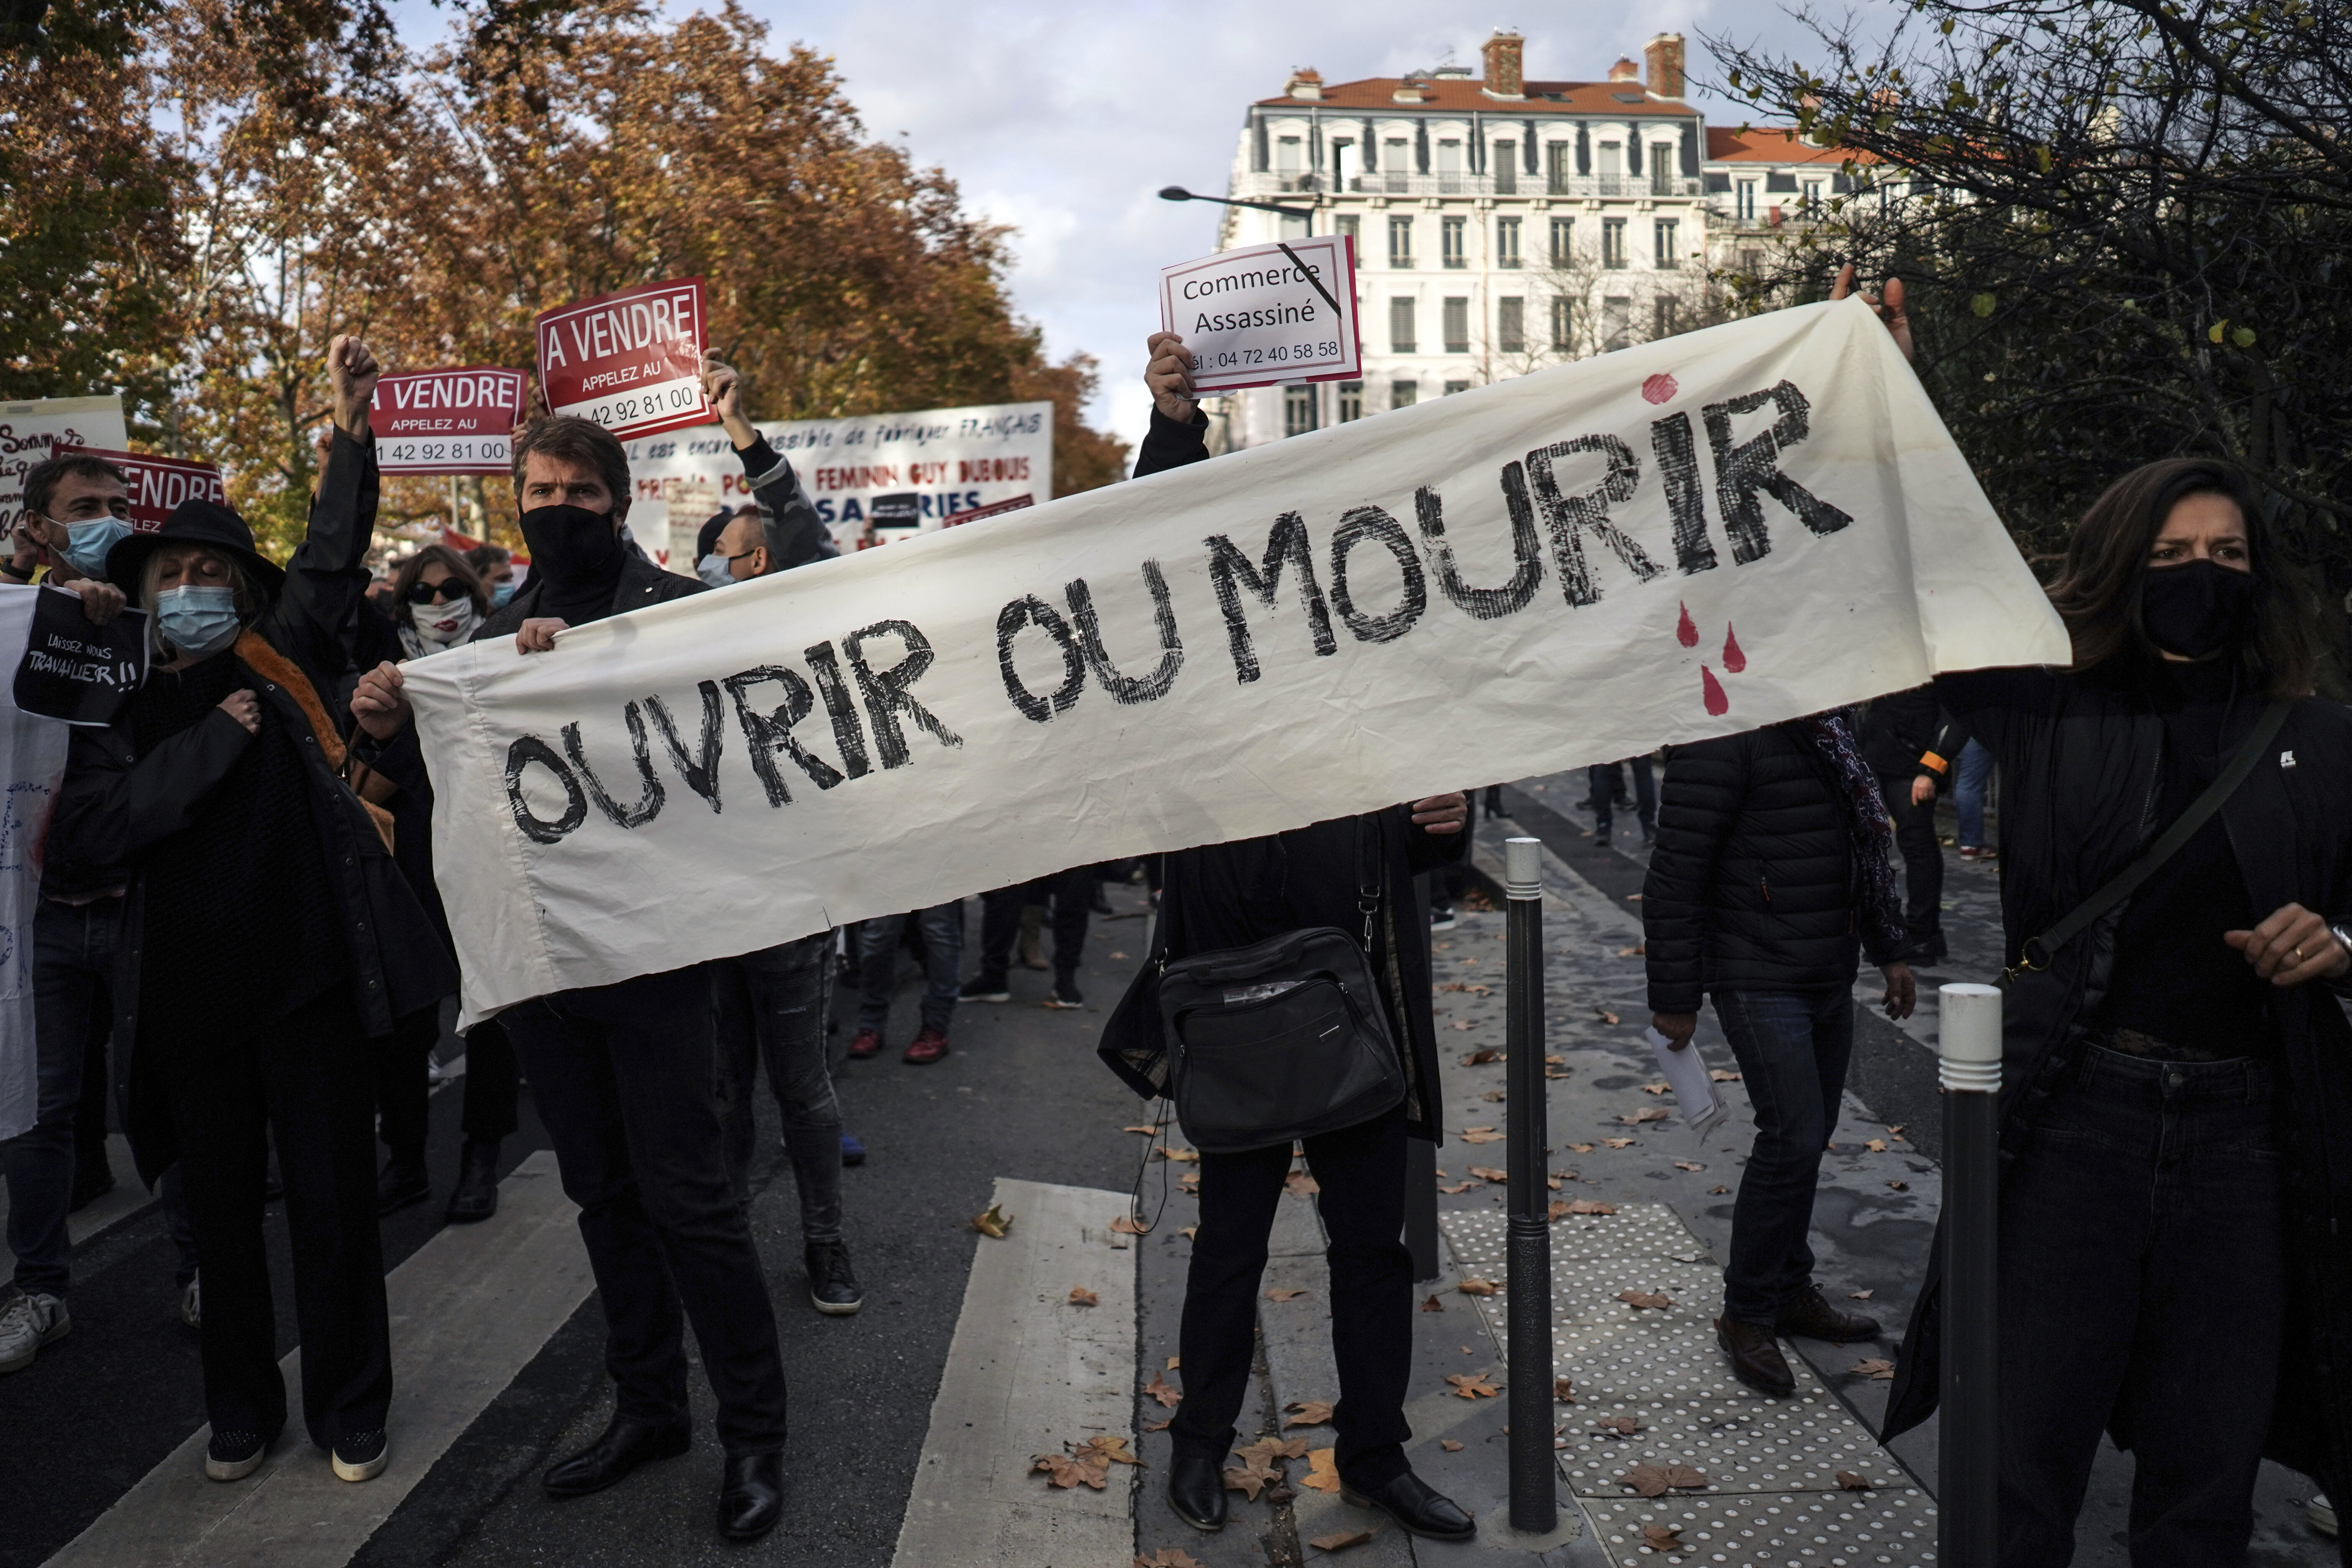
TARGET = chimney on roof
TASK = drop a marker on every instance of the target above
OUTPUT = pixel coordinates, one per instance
(1505, 54)
(1664, 54)
(1624, 70)
(1306, 82)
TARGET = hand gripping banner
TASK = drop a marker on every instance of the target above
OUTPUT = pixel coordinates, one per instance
(1695, 536)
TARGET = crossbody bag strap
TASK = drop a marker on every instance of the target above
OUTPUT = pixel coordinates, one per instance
(2037, 951)
(1367, 873)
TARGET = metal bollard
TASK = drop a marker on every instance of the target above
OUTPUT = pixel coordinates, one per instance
(1967, 1479)
(1535, 1499)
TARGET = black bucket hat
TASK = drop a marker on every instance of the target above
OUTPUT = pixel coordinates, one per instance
(203, 522)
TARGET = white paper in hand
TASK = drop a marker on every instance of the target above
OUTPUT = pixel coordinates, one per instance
(1685, 1069)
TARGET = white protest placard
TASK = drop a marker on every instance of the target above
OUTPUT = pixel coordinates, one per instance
(930, 468)
(30, 431)
(1266, 314)
(32, 764)
(1687, 538)
(447, 421)
(631, 361)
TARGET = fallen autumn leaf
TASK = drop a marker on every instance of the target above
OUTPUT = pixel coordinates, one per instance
(1874, 1368)
(1590, 1205)
(1478, 1287)
(994, 1221)
(1655, 1301)
(1847, 1480)
(1340, 1541)
(1322, 1471)
(1562, 1390)
(1490, 1174)
(1449, 1445)
(1472, 1386)
(1284, 1293)
(1308, 1413)
(1082, 1296)
(1157, 1389)
(1432, 1305)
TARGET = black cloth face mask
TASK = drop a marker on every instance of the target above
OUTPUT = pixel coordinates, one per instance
(2195, 609)
(571, 544)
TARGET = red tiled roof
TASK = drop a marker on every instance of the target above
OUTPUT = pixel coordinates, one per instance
(1462, 94)
(1774, 144)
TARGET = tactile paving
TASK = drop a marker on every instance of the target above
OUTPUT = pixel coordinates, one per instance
(1749, 1445)
(1635, 1230)
(1894, 1527)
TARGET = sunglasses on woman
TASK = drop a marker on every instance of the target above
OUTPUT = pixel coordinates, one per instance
(448, 588)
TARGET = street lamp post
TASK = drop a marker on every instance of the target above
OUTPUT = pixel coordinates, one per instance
(1178, 193)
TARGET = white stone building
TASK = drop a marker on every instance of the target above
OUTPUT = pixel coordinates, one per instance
(1503, 224)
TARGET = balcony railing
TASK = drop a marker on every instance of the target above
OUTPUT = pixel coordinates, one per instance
(1382, 184)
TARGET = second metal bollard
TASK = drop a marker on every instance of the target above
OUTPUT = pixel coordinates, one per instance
(1968, 1035)
(1535, 1499)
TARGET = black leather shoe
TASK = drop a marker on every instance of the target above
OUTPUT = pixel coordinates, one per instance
(1755, 1358)
(475, 1196)
(399, 1184)
(624, 1445)
(751, 1496)
(1196, 1490)
(1418, 1507)
(833, 1289)
(1815, 1319)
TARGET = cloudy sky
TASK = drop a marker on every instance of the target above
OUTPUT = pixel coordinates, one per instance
(1061, 118)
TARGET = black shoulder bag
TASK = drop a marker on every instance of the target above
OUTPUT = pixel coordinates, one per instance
(2035, 954)
(1285, 1038)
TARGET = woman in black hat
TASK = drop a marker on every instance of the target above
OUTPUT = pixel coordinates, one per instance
(269, 942)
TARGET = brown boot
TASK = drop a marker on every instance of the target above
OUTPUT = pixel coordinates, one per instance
(1755, 1355)
(1813, 1318)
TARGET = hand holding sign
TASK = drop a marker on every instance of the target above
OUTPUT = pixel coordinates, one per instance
(630, 361)
(1266, 315)
(1170, 376)
(352, 371)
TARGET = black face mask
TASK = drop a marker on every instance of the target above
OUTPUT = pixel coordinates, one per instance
(2195, 609)
(570, 543)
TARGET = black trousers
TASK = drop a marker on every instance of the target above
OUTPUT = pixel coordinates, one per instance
(1362, 1172)
(403, 1092)
(490, 1082)
(1072, 893)
(1923, 855)
(2143, 1275)
(303, 1081)
(625, 1078)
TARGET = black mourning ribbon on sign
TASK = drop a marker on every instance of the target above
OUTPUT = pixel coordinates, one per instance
(1310, 277)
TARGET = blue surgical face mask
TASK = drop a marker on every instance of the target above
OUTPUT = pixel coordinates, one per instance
(713, 570)
(501, 594)
(197, 622)
(87, 543)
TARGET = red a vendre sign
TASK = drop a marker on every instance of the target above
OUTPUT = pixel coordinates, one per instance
(446, 421)
(631, 362)
(158, 485)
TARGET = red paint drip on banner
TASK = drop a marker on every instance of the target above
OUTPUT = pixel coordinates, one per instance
(1733, 659)
(1686, 633)
(1660, 388)
(1716, 702)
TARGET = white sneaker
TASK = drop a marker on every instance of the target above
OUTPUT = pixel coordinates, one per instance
(2321, 1513)
(30, 1320)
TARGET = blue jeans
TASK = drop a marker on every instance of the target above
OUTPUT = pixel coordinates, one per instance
(878, 965)
(1792, 1048)
(1604, 779)
(2143, 1274)
(1974, 771)
(73, 1004)
(772, 1006)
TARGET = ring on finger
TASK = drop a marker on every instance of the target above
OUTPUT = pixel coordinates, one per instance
(2298, 955)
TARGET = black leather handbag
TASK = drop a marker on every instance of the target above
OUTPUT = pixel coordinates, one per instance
(1285, 1038)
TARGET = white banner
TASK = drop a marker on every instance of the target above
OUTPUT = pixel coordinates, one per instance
(32, 762)
(1695, 536)
(28, 431)
(873, 478)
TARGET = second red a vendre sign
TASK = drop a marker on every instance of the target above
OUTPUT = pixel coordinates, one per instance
(446, 421)
(632, 360)
(157, 485)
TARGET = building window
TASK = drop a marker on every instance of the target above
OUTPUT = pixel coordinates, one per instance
(1453, 386)
(1401, 324)
(1290, 160)
(1399, 242)
(1457, 326)
(1744, 203)
(1449, 167)
(1559, 163)
(1506, 243)
(1450, 231)
(1299, 410)
(1662, 168)
(1663, 231)
(1667, 319)
(1616, 322)
(1813, 197)
(1563, 324)
(1751, 262)
(1349, 224)
(1295, 226)
(1403, 394)
(1613, 243)
(1506, 168)
(1396, 157)
(1613, 168)
(1351, 402)
(1511, 325)
(1563, 241)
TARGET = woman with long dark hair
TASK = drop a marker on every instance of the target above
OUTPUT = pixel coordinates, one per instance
(2177, 1087)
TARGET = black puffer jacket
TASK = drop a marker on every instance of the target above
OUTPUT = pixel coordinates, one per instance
(2081, 762)
(1751, 886)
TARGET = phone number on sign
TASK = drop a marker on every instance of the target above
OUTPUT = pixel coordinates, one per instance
(652, 404)
(489, 449)
(1279, 353)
